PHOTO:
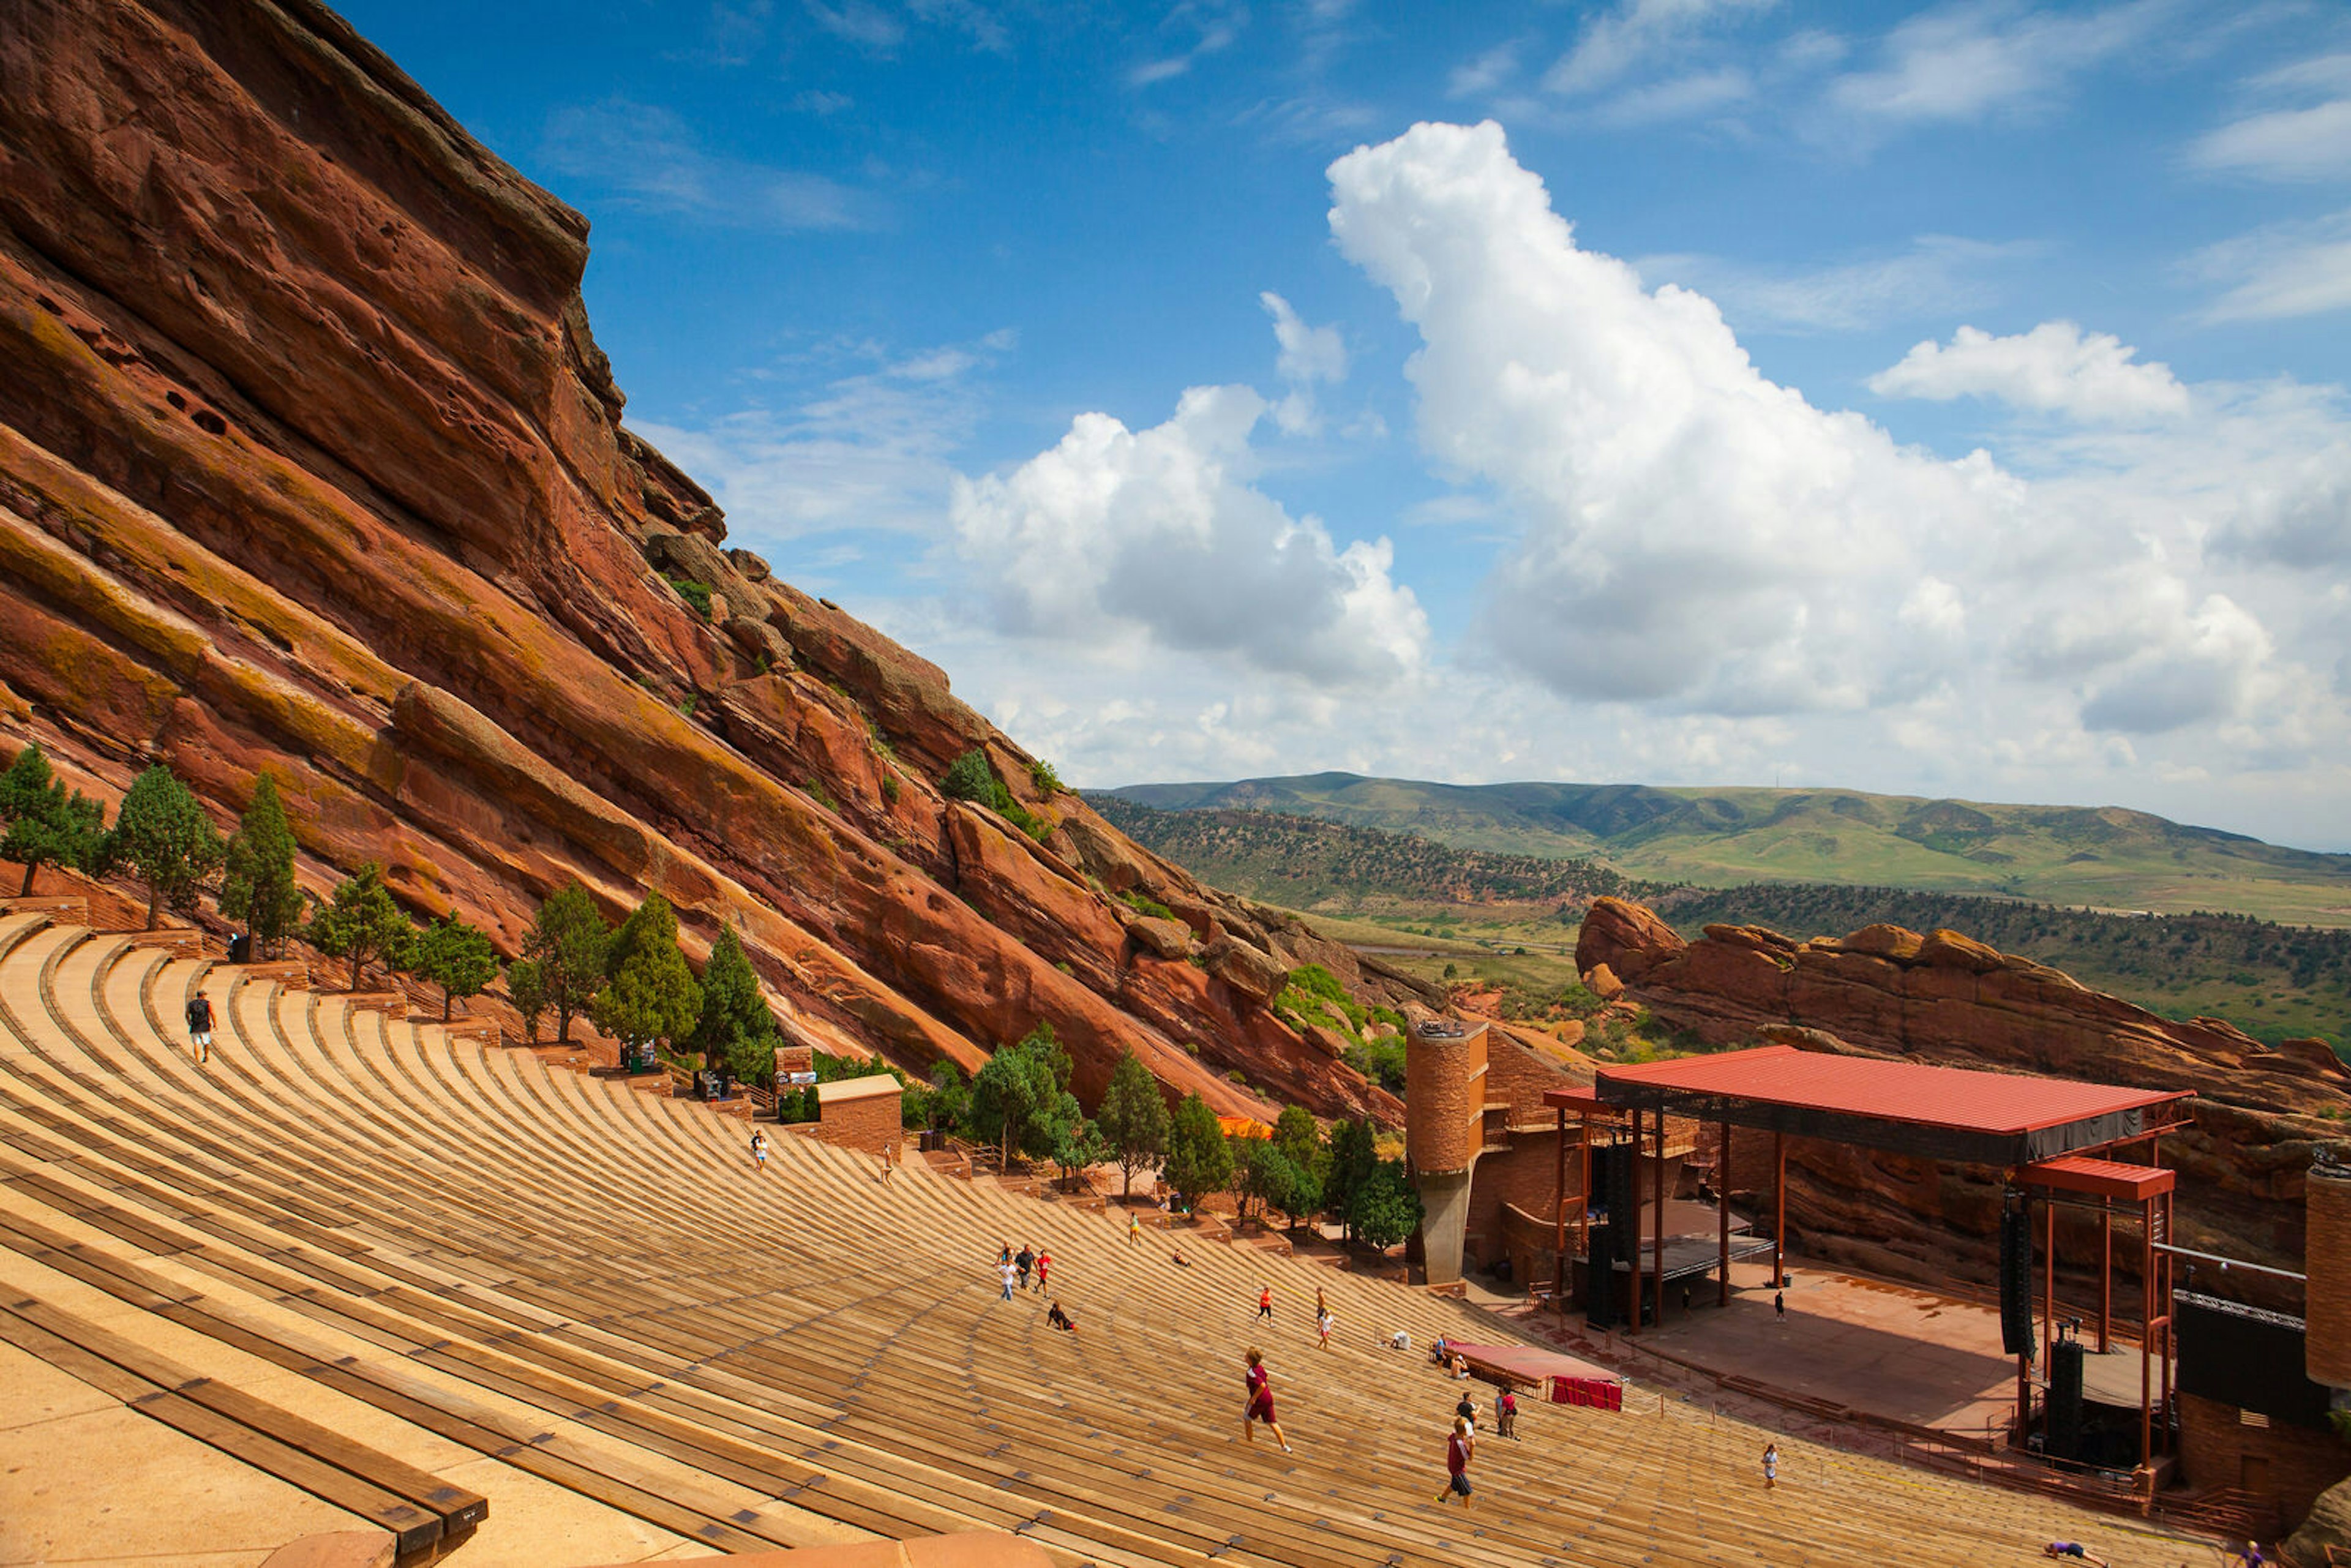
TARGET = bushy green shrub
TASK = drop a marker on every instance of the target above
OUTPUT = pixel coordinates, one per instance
(970, 778)
(1143, 904)
(1041, 774)
(695, 594)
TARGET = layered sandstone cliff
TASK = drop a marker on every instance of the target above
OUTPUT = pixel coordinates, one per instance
(2260, 1113)
(309, 464)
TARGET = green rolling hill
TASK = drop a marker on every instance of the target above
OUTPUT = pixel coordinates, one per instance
(2099, 857)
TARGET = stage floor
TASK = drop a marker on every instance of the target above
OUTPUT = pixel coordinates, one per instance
(1890, 1350)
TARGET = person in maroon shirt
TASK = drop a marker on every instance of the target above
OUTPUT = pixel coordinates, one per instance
(1260, 1401)
(1458, 1448)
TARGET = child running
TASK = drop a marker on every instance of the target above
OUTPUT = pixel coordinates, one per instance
(1458, 1448)
(1260, 1385)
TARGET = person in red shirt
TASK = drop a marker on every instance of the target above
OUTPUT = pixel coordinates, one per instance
(1260, 1401)
(1458, 1448)
(1264, 1303)
(1044, 1267)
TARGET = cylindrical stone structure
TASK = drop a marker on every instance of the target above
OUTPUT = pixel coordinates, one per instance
(2327, 1253)
(1440, 1113)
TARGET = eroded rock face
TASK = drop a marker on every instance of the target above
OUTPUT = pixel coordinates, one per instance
(1940, 997)
(309, 464)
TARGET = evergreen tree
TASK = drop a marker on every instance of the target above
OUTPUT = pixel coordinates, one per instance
(363, 923)
(1299, 1138)
(46, 825)
(1198, 1162)
(257, 888)
(457, 957)
(1386, 1209)
(1264, 1172)
(648, 996)
(944, 1103)
(527, 988)
(1133, 1117)
(735, 1030)
(1077, 1143)
(162, 835)
(1014, 1096)
(566, 948)
(1352, 1161)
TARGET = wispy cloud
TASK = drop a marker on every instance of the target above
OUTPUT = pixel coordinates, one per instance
(1938, 273)
(1213, 31)
(2307, 141)
(1477, 77)
(2280, 271)
(1619, 42)
(647, 159)
(860, 22)
(1964, 62)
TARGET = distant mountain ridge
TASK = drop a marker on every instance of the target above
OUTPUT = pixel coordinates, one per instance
(2109, 857)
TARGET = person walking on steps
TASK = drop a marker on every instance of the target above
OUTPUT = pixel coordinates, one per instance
(1458, 1449)
(200, 1026)
(1024, 1260)
(759, 1152)
(1009, 1274)
(1771, 1467)
(1264, 1303)
(888, 1165)
(1044, 1267)
(1505, 1414)
(1260, 1385)
(1323, 1324)
(1135, 1231)
(1780, 1305)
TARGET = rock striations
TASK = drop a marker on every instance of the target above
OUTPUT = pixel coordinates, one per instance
(309, 464)
(2260, 1113)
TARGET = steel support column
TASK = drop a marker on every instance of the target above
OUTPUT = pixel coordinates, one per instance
(1779, 1210)
(1722, 1210)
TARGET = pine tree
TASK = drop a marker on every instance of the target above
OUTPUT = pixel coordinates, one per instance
(1198, 1162)
(1386, 1209)
(526, 989)
(566, 948)
(46, 825)
(363, 923)
(1014, 1095)
(1352, 1158)
(1133, 1117)
(162, 835)
(735, 1030)
(257, 888)
(455, 956)
(648, 996)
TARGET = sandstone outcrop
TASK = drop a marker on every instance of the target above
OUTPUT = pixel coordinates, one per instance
(2260, 1112)
(309, 464)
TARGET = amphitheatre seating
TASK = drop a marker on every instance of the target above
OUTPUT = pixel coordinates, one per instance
(559, 1285)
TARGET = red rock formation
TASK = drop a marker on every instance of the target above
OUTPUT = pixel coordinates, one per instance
(309, 464)
(2260, 1113)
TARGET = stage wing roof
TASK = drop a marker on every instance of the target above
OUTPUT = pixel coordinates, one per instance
(1903, 1107)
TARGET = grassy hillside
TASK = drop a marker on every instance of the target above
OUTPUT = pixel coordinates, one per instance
(2103, 857)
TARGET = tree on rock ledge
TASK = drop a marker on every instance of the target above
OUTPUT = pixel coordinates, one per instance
(1198, 1162)
(648, 996)
(46, 825)
(164, 837)
(735, 1032)
(457, 957)
(1133, 1117)
(363, 923)
(257, 888)
(566, 950)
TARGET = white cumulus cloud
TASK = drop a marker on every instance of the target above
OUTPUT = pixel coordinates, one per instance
(1115, 536)
(2052, 369)
(1692, 531)
(1309, 355)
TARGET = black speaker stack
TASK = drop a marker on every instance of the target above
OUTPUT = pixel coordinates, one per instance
(1624, 1204)
(1599, 1278)
(2065, 1399)
(2016, 1282)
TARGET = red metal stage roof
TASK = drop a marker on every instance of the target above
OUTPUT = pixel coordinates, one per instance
(1906, 1106)
(2100, 1178)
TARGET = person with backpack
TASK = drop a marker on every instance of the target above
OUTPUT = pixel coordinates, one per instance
(1505, 1414)
(200, 1026)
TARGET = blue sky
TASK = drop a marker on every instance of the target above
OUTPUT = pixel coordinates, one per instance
(1944, 400)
